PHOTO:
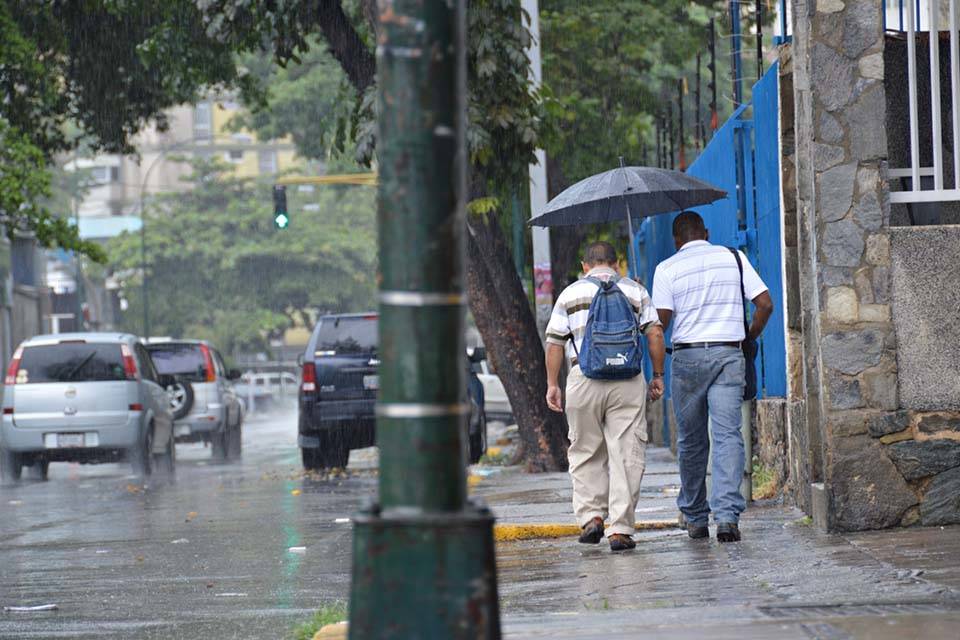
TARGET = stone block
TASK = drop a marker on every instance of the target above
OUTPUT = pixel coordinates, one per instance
(851, 352)
(843, 424)
(862, 29)
(867, 490)
(871, 66)
(835, 190)
(887, 423)
(842, 304)
(911, 517)
(772, 436)
(842, 243)
(868, 179)
(881, 390)
(819, 507)
(836, 77)
(896, 437)
(881, 285)
(829, 6)
(867, 142)
(826, 156)
(923, 458)
(864, 285)
(878, 249)
(836, 276)
(937, 422)
(941, 503)
(844, 392)
(867, 212)
(925, 288)
(874, 313)
(829, 129)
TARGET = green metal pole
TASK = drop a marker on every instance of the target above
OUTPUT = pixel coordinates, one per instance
(423, 559)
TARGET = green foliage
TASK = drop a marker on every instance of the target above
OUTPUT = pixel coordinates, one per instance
(328, 614)
(218, 268)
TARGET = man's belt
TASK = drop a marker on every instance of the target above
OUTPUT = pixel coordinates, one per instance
(704, 345)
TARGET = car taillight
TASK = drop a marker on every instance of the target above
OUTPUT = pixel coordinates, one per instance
(129, 364)
(14, 367)
(136, 406)
(208, 363)
(8, 411)
(309, 383)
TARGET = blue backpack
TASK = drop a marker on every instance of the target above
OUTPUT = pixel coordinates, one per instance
(611, 342)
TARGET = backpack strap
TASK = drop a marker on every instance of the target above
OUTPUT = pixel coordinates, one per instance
(743, 293)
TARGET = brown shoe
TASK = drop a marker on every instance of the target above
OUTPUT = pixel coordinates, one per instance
(592, 532)
(621, 542)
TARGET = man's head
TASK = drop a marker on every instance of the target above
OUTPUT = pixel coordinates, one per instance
(687, 227)
(599, 254)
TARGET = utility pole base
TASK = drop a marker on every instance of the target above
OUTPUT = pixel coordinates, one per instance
(418, 576)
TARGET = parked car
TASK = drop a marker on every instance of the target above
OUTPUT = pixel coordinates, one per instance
(203, 401)
(496, 403)
(338, 392)
(84, 397)
(265, 387)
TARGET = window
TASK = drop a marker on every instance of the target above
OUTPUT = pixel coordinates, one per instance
(267, 161)
(234, 155)
(185, 360)
(71, 362)
(351, 334)
(146, 364)
(202, 121)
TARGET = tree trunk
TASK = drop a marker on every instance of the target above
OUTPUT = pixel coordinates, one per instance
(564, 241)
(505, 321)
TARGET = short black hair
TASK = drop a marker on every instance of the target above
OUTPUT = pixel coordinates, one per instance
(688, 225)
(600, 253)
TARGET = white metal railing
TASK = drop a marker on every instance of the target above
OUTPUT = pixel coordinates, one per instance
(911, 17)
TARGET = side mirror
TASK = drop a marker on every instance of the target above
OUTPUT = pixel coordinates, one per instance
(479, 354)
(234, 374)
(166, 380)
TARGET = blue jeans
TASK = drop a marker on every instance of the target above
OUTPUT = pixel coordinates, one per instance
(709, 381)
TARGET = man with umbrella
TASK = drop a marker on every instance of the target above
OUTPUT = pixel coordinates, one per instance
(607, 417)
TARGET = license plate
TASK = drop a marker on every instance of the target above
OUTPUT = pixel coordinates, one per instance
(371, 382)
(69, 440)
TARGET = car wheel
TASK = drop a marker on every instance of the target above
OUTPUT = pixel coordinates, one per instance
(167, 461)
(234, 441)
(39, 470)
(218, 444)
(311, 458)
(181, 398)
(478, 439)
(141, 455)
(11, 465)
(334, 450)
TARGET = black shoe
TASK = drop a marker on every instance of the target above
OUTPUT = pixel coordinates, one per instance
(592, 532)
(620, 542)
(697, 531)
(728, 532)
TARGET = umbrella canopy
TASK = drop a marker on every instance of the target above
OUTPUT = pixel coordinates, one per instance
(627, 191)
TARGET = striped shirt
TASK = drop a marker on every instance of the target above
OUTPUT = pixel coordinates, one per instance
(569, 317)
(701, 285)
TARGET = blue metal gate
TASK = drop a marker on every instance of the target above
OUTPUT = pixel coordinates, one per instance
(743, 159)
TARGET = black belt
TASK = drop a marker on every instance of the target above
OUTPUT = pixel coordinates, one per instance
(704, 345)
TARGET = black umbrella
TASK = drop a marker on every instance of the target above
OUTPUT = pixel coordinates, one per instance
(624, 193)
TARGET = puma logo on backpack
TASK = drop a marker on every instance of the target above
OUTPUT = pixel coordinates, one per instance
(611, 341)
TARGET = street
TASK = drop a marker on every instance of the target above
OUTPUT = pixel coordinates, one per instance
(205, 556)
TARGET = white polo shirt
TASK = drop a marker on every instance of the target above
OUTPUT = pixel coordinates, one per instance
(701, 285)
(568, 322)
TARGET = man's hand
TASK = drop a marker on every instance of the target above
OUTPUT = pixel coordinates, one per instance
(554, 399)
(655, 392)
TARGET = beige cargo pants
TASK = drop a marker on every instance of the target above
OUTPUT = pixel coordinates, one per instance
(608, 440)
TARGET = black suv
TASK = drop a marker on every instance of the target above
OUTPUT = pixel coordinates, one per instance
(338, 393)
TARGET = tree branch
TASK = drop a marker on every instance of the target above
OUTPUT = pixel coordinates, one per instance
(346, 45)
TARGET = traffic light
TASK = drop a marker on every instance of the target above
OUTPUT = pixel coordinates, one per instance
(281, 217)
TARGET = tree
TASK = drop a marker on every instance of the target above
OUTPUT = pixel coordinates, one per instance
(218, 268)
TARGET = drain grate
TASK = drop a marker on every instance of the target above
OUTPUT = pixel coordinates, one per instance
(806, 612)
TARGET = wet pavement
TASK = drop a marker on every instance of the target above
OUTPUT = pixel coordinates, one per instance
(204, 556)
(208, 555)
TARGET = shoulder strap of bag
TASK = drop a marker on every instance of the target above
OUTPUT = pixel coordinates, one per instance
(743, 293)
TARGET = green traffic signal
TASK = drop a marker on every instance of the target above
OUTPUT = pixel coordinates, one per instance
(281, 218)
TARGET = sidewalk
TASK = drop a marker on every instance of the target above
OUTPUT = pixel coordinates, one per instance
(785, 580)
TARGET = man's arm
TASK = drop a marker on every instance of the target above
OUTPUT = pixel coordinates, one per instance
(658, 355)
(763, 309)
(555, 357)
(665, 315)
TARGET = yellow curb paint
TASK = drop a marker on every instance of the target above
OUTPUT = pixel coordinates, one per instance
(473, 480)
(336, 631)
(511, 532)
(494, 451)
(295, 492)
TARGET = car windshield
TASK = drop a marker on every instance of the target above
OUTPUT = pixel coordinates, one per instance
(348, 335)
(183, 360)
(71, 362)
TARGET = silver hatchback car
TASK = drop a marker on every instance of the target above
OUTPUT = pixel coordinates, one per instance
(84, 397)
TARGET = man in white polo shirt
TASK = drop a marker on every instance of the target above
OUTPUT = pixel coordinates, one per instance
(699, 289)
(607, 418)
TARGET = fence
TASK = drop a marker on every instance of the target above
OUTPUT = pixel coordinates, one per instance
(743, 159)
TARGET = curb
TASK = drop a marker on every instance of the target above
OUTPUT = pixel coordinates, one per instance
(512, 532)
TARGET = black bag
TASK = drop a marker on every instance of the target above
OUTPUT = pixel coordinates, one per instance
(749, 344)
